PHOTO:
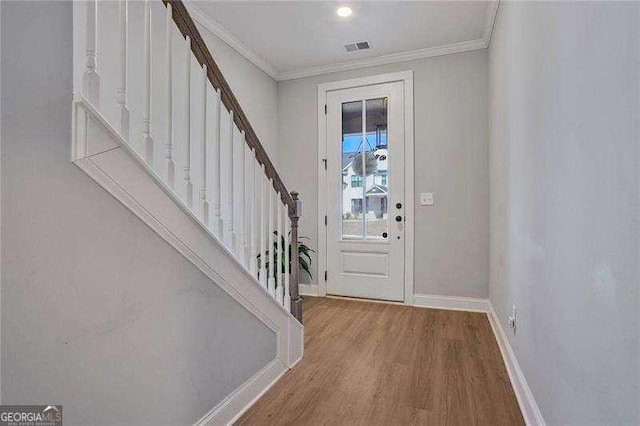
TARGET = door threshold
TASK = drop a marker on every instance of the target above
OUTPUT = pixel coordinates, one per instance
(360, 299)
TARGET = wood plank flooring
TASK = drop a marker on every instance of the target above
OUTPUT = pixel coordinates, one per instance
(382, 364)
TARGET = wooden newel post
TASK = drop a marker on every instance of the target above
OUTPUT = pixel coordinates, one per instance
(296, 300)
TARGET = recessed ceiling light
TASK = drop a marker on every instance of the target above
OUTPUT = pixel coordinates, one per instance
(344, 11)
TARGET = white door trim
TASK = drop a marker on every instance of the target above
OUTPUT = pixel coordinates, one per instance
(407, 78)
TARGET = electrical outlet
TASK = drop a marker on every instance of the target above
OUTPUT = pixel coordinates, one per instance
(511, 322)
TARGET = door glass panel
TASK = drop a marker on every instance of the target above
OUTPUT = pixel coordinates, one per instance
(365, 175)
(377, 222)
(352, 183)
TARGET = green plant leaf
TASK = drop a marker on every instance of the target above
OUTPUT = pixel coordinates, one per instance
(305, 266)
(304, 251)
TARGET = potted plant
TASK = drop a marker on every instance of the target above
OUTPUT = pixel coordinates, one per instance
(304, 256)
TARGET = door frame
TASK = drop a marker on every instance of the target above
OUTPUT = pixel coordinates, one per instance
(407, 78)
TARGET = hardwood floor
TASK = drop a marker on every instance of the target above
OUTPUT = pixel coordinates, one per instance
(382, 364)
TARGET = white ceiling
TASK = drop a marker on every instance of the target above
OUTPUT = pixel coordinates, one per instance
(297, 38)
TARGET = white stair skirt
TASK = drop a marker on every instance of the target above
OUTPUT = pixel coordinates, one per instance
(99, 150)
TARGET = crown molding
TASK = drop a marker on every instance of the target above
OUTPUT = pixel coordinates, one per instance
(223, 34)
(219, 31)
(410, 55)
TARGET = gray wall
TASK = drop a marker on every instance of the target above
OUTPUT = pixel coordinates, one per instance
(98, 313)
(255, 90)
(451, 157)
(565, 201)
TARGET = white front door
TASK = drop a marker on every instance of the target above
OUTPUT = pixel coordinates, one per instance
(365, 192)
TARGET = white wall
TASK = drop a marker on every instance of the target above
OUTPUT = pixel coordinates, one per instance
(451, 157)
(564, 107)
(98, 312)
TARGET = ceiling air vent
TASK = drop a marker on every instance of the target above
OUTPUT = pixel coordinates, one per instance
(358, 45)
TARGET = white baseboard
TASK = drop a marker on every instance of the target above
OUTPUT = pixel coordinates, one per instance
(230, 409)
(451, 303)
(239, 401)
(308, 290)
(528, 406)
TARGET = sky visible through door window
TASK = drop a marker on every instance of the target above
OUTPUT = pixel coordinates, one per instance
(351, 143)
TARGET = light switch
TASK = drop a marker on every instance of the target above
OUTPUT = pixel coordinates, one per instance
(426, 198)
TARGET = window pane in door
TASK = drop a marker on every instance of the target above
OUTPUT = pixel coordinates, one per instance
(377, 174)
(352, 199)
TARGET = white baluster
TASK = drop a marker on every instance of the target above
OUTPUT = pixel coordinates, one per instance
(123, 110)
(253, 215)
(263, 228)
(280, 288)
(91, 78)
(147, 139)
(168, 147)
(230, 240)
(287, 242)
(187, 137)
(242, 202)
(247, 205)
(217, 172)
(272, 266)
(203, 157)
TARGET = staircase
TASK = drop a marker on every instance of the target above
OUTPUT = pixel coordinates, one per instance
(157, 125)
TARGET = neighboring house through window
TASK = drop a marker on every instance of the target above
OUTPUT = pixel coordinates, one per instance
(356, 181)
